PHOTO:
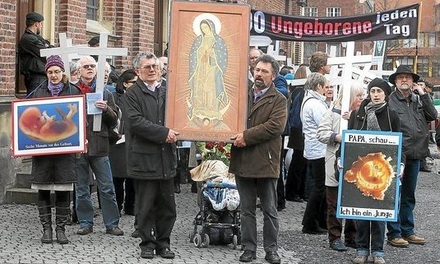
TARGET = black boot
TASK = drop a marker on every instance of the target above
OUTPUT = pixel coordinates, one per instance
(45, 213)
(62, 215)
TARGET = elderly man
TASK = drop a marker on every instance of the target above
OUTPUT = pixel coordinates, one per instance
(255, 159)
(152, 161)
(96, 158)
(415, 109)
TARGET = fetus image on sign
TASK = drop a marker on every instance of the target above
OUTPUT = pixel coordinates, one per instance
(372, 175)
(47, 128)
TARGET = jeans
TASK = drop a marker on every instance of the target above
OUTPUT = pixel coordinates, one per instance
(84, 207)
(370, 231)
(248, 188)
(405, 218)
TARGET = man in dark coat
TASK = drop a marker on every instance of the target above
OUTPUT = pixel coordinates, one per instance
(415, 109)
(255, 160)
(31, 63)
(152, 157)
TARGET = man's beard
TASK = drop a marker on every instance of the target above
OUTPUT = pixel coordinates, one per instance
(38, 31)
(260, 84)
(404, 87)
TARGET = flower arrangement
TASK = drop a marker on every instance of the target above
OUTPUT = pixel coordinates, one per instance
(215, 151)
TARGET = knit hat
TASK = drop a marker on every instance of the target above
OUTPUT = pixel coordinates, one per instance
(289, 78)
(34, 17)
(54, 60)
(93, 41)
(403, 69)
(382, 84)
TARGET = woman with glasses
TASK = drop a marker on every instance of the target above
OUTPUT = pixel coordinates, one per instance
(54, 172)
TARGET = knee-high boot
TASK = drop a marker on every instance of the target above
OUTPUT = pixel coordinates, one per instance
(62, 215)
(45, 213)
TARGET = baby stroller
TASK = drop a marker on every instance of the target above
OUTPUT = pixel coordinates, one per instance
(218, 221)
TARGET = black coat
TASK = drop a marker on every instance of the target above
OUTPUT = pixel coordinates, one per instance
(414, 114)
(149, 157)
(31, 63)
(54, 168)
(388, 119)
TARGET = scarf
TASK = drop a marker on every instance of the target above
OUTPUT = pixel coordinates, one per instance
(86, 88)
(55, 89)
(370, 110)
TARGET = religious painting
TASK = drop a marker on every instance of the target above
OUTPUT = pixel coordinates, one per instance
(369, 178)
(207, 79)
(47, 126)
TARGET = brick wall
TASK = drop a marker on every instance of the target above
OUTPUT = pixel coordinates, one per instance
(8, 28)
(72, 20)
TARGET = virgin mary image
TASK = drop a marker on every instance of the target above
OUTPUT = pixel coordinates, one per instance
(207, 100)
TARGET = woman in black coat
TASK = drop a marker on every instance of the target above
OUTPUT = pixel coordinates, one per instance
(374, 114)
(54, 172)
(124, 196)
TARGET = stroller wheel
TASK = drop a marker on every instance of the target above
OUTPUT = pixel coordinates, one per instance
(191, 236)
(235, 241)
(206, 242)
(198, 240)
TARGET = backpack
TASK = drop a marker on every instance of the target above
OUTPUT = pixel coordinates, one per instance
(294, 117)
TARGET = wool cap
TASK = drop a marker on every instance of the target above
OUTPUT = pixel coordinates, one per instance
(289, 76)
(403, 69)
(34, 17)
(93, 41)
(54, 60)
(382, 84)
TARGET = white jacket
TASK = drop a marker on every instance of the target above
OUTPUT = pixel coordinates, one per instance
(312, 111)
(327, 130)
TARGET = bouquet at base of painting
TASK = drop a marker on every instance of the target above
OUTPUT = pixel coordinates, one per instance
(215, 161)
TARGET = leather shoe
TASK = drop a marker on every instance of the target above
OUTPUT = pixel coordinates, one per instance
(248, 256)
(84, 230)
(318, 231)
(413, 239)
(281, 207)
(165, 253)
(147, 253)
(272, 257)
(338, 245)
(116, 231)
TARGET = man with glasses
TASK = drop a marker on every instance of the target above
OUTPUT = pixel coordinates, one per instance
(31, 64)
(151, 157)
(96, 158)
(415, 109)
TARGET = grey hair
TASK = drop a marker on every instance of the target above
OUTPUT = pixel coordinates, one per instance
(313, 80)
(73, 66)
(141, 56)
(83, 59)
(269, 59)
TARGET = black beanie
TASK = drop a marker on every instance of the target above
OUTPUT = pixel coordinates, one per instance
(382, 84)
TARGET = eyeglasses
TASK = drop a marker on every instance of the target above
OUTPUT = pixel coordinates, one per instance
(329, 87)
(89, 66)
(53, 72)
(131, 81)
(150, 67)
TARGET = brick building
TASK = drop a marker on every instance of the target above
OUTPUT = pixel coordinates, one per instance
(422, 54)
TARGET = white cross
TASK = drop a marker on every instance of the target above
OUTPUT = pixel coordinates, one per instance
(102, 51)
(63, 51)
(347, 72)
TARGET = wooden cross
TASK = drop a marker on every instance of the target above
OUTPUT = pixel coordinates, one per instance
(102, 51)
(63, 51)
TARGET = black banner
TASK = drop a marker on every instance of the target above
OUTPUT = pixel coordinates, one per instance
(400, 23)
